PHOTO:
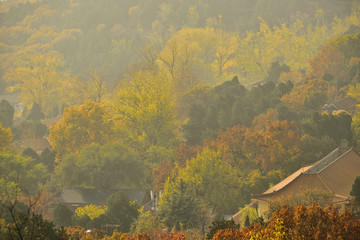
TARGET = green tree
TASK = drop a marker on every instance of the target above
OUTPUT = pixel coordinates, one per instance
(23, 171)
(180, 208)
(144, 103)
(212, 179)
(275, 70)
(22, 223)
(29, 152)
(348, 45)
(6, 113)
(147, 222)
(336, 125)
(355, 190)
(62, 215)
(47, 158)
(121, 210)
(35, 113)
(221, 224)
(106, 167)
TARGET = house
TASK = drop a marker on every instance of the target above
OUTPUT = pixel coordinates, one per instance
(347, 104)
(80, 197)
(335, 173)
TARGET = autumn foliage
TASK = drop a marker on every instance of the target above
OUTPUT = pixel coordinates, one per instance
(300, 222)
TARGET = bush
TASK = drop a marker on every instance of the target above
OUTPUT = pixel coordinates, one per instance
(300, 222)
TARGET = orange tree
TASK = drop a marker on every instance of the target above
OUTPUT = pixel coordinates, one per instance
(300, 222)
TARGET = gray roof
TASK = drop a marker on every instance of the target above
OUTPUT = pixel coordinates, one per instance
(327, 160)
(99, 197)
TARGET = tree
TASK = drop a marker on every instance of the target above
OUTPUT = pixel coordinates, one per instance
(62, 215)
(213, 180)
(21, 223)
(6, 113)
(179, 208)
(110, 166)
(306, 197)
(147, 222)
(226, 50)
(25, 172)
(35, 113)
(38, 79)
(29, 152)
(47, 158)
(275, 71)
(336, 125)
(310, 95)
(80, 126)
(121, 210)
(329, 65)
(145, 105)
(221, 224)
(5, 137)
(300, 222)
(355, 190)
(281, 141)
(247, 221)
(348, 45)
(92, 211)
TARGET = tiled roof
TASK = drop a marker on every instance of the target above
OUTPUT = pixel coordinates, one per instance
(99, 197)
(327, 160)
(328, 174)
(287, 180)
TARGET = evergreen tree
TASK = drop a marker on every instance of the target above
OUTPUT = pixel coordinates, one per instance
(62, 215)
(121, 210)
(222, 224)
(29, 152)
(355, 190)
(247, 221)
(6, 114)
(35, 113)
(181, 209)
(47, 158)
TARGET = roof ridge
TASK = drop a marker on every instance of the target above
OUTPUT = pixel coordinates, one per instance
(327, 160)
(349, 149)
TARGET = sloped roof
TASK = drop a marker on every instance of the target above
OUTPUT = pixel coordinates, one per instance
(327, 160)
(328, 174)
(346, 104)
(287, 180)
(99, 197)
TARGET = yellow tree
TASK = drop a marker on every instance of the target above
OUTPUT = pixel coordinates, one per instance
(354, 91)
(5, 137)
(96, 85)
(144, 102)
(226, 49)
(37, 78)
(80, 126)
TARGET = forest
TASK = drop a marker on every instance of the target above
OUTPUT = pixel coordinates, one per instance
(203, 103)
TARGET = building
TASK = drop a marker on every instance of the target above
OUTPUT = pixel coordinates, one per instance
(335, 173)
(347, 104)
(80, 197)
